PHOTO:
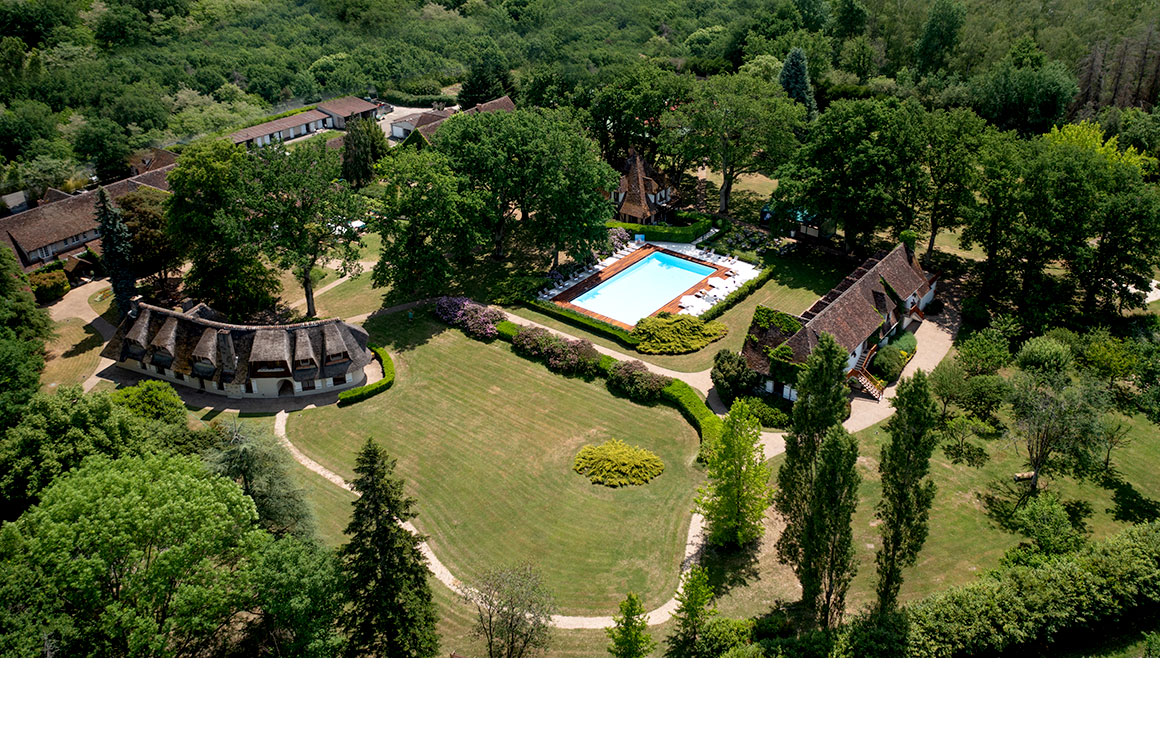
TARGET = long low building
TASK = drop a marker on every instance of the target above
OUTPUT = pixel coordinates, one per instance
(67, 224)
(282, 129)
(239, 360)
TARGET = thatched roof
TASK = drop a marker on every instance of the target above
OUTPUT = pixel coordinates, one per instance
(196, 335)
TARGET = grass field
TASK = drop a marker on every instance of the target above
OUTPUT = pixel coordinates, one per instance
(291, 289)
(485, 442)
(72, 356)
(353, 297)
(964, 539)
(796, 284)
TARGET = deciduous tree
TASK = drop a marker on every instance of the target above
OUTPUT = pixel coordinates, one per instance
(907, 490)
(738, 124)
(737, 494)
(940, 35)
(390, 612)
(297, 213)
(514, 610)
(950, 153)
(488, 78)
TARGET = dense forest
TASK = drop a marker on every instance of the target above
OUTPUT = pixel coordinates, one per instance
(84, 82)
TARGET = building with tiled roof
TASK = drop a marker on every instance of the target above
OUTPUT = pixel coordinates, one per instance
(66, 226)
(642, 194)
(196, 350)
(344, 109)
(883, 296)
(428, 122)
(150, 159)
(281, 129)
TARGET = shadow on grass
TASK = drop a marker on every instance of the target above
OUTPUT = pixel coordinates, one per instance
(91, 341)
(1001, 500)
(807, 271)
(1128, 504)
(730, 568)
(402, 331)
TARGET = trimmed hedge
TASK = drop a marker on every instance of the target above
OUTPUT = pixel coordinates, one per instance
(564, 356)
(682, 234)
(708, 425)
(507, 330)
(731, 300)
(770, 414)
(584, 322)
(373, 389)
(633, 380)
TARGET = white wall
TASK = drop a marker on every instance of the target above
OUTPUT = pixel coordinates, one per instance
(263, 387)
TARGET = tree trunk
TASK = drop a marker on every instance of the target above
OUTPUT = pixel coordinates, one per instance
(308, 287)
(726, 191)
(934, 229)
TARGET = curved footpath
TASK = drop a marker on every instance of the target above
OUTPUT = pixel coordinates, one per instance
(935, 336)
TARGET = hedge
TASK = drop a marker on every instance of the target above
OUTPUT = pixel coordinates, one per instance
(731, 300)
(398, 97)
(507, 330)
(48, 286)
(584, 322)
(1025, 610)
(373, 389)
(682, 234)
(708, 425)
(674, 334)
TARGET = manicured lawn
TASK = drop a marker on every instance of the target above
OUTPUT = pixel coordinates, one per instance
(372, 247)
(964, 539)
(102, 303)
(798, 282)
(72, 356)
(291, 290)
(485, 442)
(330, 505)
(353, 297)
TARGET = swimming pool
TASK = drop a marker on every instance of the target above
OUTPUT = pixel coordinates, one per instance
(642, 289)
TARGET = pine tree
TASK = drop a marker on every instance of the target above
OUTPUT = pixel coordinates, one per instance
(488, 78)
(390, 612)
(116, 251)
(820, 406)
(795, 79)
(907, 492)
(829, 544)
(363, 146)
(735, 500)
(630, 637)
(694, 611)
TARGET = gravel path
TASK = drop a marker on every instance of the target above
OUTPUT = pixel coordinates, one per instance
(75, 305)
(365, 265)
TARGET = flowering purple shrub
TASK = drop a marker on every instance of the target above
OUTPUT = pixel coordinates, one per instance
(631, 378)
(473, 318)
(564, 356)
(618, 238)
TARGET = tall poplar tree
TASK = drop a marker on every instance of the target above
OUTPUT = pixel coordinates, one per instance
(391, 613)
(737, 495)
(116, 251)
(829, 541)
(821, 404)
(907, 491)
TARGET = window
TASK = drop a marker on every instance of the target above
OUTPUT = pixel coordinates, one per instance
(308, 385)
(249, 386)
(178, 375)
(339, 380)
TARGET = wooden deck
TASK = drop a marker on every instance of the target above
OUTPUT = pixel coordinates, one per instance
(565, 297)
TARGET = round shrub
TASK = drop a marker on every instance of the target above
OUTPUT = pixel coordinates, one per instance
(888, 364)
(732, 376)
(616, 463)
(1044, 356)
(769, 414)
(473, 318)
(632, 379)
(49, 286)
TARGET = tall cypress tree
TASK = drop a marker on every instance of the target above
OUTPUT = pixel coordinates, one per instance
(390, 612)
(363, 146)
(795, 79)
(821, 405)
(116, 251)
(907, 492)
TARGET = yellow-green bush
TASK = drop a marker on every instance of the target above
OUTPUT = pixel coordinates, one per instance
(671, 334)
(616, 463)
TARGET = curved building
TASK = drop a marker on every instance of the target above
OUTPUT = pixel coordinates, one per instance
(237, 360)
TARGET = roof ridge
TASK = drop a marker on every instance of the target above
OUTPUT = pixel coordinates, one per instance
(243, 327)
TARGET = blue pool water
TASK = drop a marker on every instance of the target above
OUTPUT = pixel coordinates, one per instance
(631, 294)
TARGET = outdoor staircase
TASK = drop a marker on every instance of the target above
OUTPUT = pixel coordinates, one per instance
(862, 375)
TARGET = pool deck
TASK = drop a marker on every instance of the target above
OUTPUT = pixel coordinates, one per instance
(564, 298)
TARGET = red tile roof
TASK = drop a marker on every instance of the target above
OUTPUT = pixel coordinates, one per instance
(347, 107)
(278, 124)
(53, 222)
